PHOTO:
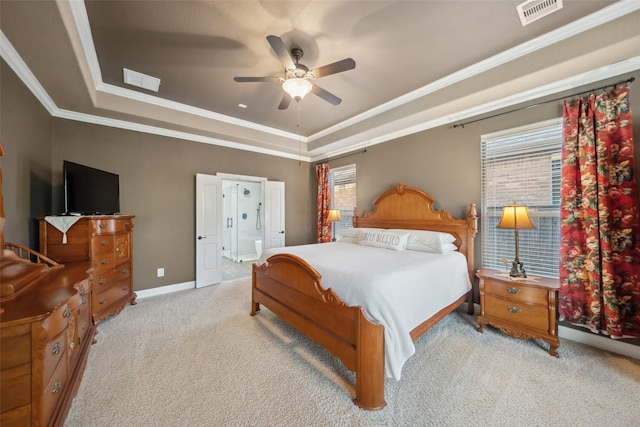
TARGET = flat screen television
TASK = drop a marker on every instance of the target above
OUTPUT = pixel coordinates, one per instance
(90, 191)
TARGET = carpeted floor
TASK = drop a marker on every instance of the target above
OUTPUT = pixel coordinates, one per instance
(197, 358)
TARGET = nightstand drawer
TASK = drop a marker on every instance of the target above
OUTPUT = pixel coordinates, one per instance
(517, 292)
(534, 316)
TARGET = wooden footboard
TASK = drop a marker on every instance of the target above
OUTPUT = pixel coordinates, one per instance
(292, 289)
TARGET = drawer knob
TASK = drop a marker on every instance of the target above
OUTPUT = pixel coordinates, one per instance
(102, 225)
(66, 312)
(56, 348)
(56, 387)
(104, 261)
(71, 345)
(84, 326)
(125, 288)
(102, 281)
(513, 309)
(104, 242)
(513, 290)
(84, 300)
(125, 271)
(102, 301)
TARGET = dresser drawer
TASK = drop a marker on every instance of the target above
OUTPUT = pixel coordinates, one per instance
(534, 316)
(111, 225)
(517, 292)
(101, 245)
(105, 280)
(53, 391)
(111, 295)
(54, 352)
(57, 321)
(15, 349)
(15, 388)
(104, 262)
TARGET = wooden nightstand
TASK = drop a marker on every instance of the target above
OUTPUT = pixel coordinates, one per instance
(522, 308)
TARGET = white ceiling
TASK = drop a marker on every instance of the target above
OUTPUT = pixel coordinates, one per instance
(419, 64)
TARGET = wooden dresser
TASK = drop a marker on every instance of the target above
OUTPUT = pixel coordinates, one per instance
(106, 241)
(522, 308)
(45, 335)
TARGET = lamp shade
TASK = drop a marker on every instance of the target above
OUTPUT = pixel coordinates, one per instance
(296, 87)
(515, 217)
(334, 215)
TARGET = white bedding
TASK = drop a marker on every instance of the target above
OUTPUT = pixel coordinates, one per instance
(398, 289)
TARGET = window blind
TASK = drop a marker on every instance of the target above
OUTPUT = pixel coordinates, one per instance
(522, 165)
(343, 194)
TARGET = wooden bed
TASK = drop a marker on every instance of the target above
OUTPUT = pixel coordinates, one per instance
(292, 289)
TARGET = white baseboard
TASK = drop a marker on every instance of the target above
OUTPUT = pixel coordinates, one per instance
(161, 290)
(603, 343)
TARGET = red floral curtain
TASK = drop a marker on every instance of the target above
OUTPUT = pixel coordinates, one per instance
(324, 203)
(600, 228)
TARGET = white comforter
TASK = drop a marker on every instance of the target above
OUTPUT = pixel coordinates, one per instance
(398, 289)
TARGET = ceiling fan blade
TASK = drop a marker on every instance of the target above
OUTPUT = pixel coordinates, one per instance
(336, 67)
(327, 96)
(257, 79)
(284, 104)
(281, 50)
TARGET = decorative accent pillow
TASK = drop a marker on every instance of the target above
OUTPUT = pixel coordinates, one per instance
(384, 239)
(348, 234)
(429, 241)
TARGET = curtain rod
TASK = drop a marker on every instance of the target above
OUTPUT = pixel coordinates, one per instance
(461, 125)
(340, 157)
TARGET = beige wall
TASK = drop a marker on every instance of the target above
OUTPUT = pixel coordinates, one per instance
(25, 130)
(157, 185)
(157, 174)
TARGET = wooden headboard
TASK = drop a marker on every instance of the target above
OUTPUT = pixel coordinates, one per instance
(412, 209)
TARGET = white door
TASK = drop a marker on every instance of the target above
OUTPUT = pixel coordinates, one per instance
(274, 214)
(208, 230)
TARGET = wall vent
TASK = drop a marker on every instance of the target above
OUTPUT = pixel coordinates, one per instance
(135, 78)
(532, 10)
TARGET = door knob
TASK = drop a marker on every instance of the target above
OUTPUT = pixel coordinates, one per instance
(282, 232)
(202, 237)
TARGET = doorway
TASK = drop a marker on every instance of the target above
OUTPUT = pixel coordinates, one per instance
(235, 227)
(243, 219)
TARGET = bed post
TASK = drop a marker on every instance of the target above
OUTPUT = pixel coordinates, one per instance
(370, 365)
(472, 221)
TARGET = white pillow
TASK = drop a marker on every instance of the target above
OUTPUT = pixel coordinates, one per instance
(348, 239)
(449, 247)
(428, 241)
(384, 239)
(353, 233)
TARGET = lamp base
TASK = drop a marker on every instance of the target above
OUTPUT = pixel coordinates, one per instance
(517, 269)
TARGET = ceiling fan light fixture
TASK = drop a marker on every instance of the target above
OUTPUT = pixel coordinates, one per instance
(297, 88)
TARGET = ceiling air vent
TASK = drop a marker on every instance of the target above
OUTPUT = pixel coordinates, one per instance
(135, 78)
(532, 10)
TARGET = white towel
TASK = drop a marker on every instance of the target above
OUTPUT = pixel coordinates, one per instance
(62, 223)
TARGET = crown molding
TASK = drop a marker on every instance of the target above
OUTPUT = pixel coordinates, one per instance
(343, 146)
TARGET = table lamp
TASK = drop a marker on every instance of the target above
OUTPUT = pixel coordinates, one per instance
(516, 217)
(334, 215)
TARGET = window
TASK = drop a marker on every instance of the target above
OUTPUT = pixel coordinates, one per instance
(343, 194)
(523, 165)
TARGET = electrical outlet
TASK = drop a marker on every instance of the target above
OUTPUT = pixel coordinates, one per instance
(161, 272)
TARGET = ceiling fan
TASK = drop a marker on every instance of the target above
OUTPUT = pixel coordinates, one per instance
(297, 77)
